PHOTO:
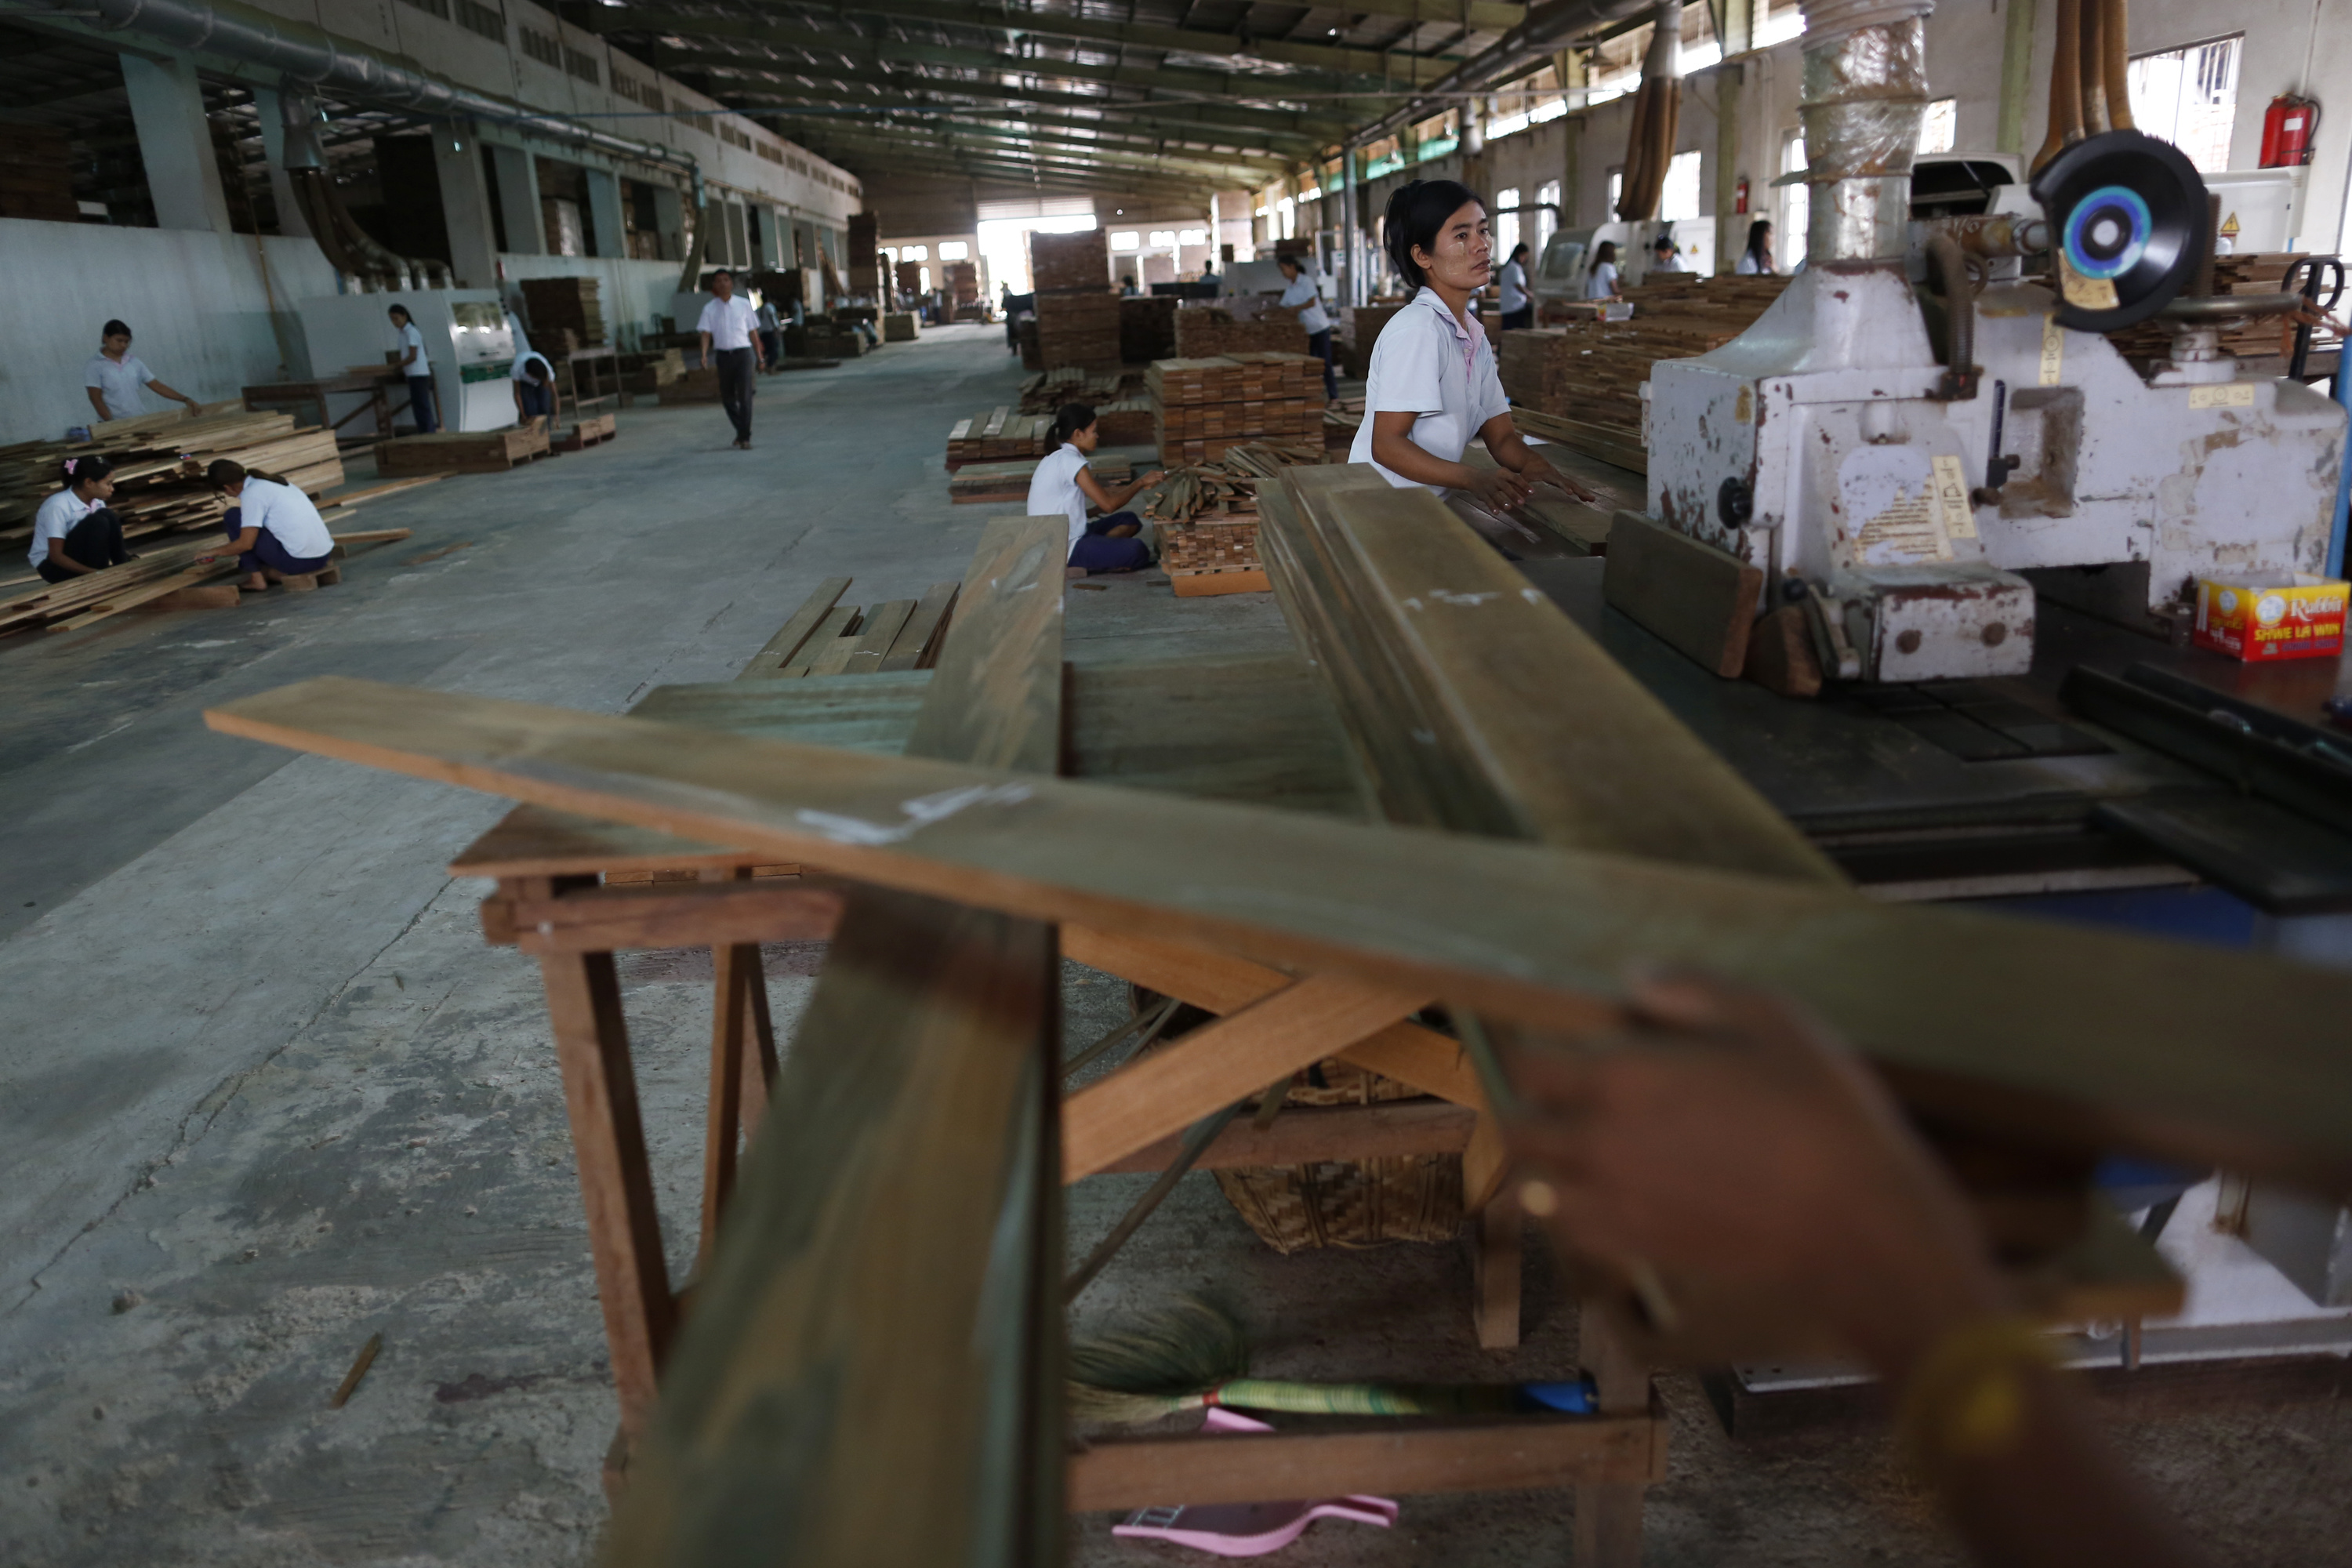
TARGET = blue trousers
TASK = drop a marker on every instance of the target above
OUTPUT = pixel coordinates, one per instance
(420, 403)
(268, 551)
(1319, 345)
(1097, 551)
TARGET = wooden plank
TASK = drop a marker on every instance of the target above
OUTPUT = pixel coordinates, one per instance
(1780, 655)
(2090, 1038)
(797, 630)
(1507, 1454)
(1496, 1238)
(1310, 1134)
(918, 642)
(1007, 625)
(874, 635)
(1223, 1062)
(1698, 599)
(660, 915)
(831, 629)
(833, 657)
(875, 1364)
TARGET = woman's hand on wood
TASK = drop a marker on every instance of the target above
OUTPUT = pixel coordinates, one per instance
(1498, 490)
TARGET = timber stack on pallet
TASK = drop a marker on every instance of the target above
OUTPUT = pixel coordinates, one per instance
(900, 327)
(1211, 558)
(159, 461)
(560, 305)
(1048, 390)
(1070, 263)
(1147, 327)
(178, 575)
(698, 386)
(998, 436)
(1078, 329)
(823, 338)
(1201, 406)
(963, 287)
(463, 451)
(1360, 328)
(1204, 332)
(911, 277)
(646, 375)
(865, 254)
(1009, 481)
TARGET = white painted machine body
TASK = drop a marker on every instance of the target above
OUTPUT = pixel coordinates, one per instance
(1862, 478)
(466, 340)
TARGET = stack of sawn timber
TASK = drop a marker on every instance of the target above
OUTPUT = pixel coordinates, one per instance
(2255, 272)
(463, 451)
(1226, 486)
(1147, 327)
(1201, 406)
(865, 254)
(1205, 332)
(646, 375)
(1062, 263)
(154, 455)
(558, 305)
(1591, 373)
(1010, 481)
(1360, 329)
(996, 437)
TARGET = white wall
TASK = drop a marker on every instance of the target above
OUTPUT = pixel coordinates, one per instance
(194, 302)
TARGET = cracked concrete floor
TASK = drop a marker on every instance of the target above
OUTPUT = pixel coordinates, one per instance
(263, 1092)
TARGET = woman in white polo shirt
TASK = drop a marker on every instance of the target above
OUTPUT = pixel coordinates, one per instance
(113, 378)
(1432, 384)
(272, 523)
(75, 532)
(1064, 484)
(1299, 293)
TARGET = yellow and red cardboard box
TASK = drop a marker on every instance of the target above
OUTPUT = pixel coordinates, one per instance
(2287, 614)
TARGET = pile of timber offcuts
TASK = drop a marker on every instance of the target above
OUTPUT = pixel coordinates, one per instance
(1209, 559)
(1048, 390)
(996, 437)
(159, 461)
(1010, 481)
(1591, 373)
(159, 577)
(2253, 337)
(1206, 330)
(1227, 487)
(1202, 406)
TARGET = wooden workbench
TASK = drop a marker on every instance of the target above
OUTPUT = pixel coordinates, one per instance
(374, 385)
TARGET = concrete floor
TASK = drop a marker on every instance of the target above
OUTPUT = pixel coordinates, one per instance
(265, 1092)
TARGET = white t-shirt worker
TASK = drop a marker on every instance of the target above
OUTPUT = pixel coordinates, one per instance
(1054, 488)
(114, 377)
(730, 323)
(288, 514)
(1426, 363)
(1302, 296)
(56, 518)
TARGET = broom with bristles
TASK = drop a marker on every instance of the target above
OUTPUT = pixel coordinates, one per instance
(1193, 1356)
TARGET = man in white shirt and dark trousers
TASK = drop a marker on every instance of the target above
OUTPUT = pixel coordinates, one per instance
(1300, 294)
(730, 340)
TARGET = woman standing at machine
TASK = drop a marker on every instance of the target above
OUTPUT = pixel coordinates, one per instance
(1511, 293)
(1299, 293)
(1432, 385)
(416, 368)
(1601, 282)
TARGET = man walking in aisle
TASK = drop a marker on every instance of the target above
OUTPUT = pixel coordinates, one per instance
(730, 340)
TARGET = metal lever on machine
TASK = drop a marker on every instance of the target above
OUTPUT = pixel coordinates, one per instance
(2312, 269)
(1998, 465)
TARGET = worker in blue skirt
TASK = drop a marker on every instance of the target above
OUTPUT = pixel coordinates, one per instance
(1064, 486)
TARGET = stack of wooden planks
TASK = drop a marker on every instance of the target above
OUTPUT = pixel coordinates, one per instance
(1593, 372)
(463, 451)
(1360, 328)
(159, 461)
(1205, 560)
(825, 636)
(900, 327)
(1227, 487)
(1203, 405)
(997, 436)
(1078, 328)
(963, 283)
(647, 373)
(1204, 332)
(1048, 390)
(698, 386)
(865, 253)
(1147, 327)
(2256, 272)
(36, 174)
(1060, 262)
(164, 576)
(1010, 481)
(559, 305)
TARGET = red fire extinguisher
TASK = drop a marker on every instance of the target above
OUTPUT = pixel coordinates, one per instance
(1740, 204)
(2288, 131)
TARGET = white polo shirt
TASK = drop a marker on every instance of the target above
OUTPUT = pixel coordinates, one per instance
(1427, 363)
(287, 513)
(730, 324)
(56, 518)
(1511, 288)
(119, 385)
(521, 370)
(409, 337)
(1053, 489)
(1302, 297)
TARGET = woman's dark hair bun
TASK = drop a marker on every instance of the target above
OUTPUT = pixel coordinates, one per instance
(1069, 420)
(1417, 212)
(88, 466)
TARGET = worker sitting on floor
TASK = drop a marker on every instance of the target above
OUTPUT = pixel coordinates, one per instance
(1724, 1137)
(114, 377)
(533, 380)
(75, 532)
(1432, 384)
(276, 530)
(1063, 486)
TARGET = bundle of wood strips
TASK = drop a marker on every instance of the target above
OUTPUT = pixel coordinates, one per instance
(566, 305)
(1360, 328)
(1206, 330)
(1048, 390)
(1227, 487)
(1207, 558)
(996, 435)
(1201, 406)
(1060, 261)
(1078, 329)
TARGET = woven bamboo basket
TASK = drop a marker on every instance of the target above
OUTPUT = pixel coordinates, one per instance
(1349, 1203)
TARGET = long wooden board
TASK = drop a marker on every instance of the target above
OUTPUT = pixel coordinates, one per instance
(2093, 1039)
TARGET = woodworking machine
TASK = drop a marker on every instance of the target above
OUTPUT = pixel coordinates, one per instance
(1899, 461)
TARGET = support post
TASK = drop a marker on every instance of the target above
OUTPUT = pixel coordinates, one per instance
(1609, 1514)
(1730, 237)
(267, 106)
(518, 171)
(175, 143)
(603, 213)
(466, 204)
(2016, 76)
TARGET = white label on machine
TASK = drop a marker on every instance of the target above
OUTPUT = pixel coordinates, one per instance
(2222, 394)
(1890, 494)
(2085, 293)
(1952, 499)
(2053, 350)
